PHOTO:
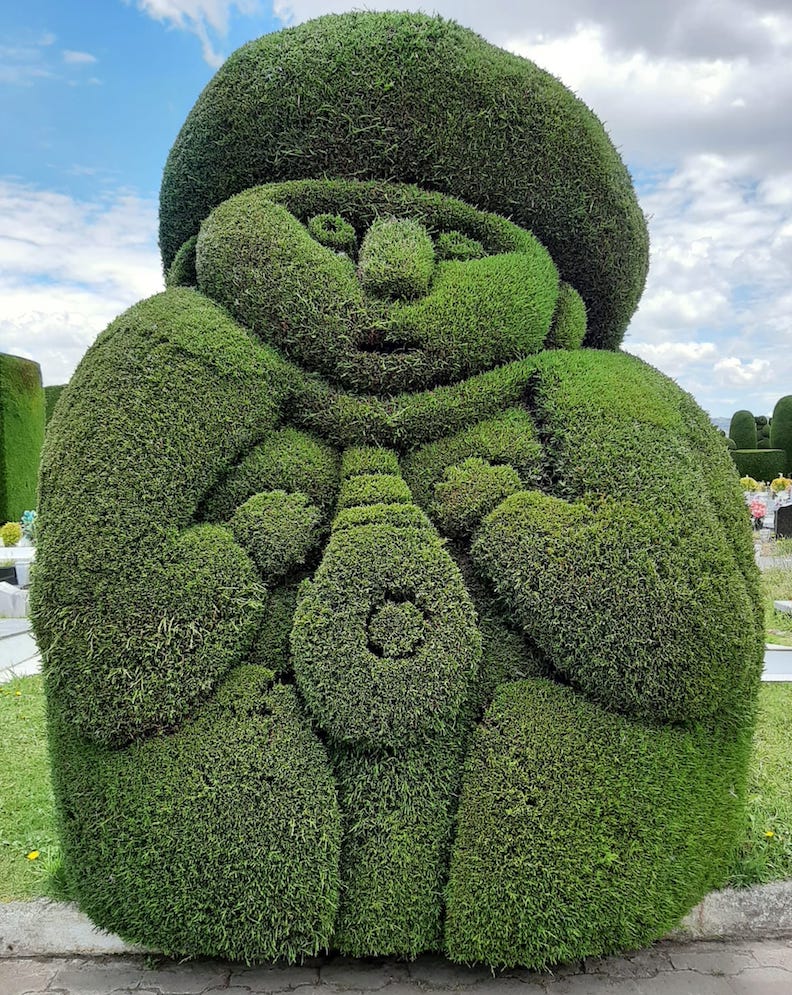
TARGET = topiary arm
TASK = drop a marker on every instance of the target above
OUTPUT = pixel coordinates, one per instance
(139, 610)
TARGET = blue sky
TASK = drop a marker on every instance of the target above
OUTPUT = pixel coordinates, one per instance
(696, 95)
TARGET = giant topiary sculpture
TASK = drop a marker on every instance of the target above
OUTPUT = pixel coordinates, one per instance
(395, 621)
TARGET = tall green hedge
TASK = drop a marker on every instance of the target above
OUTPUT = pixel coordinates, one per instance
(781, 430)
(421, 100)
(51, 395)
(22, 418)
(761, 464)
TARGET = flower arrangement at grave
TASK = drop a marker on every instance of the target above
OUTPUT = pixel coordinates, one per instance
(395, 620)
(758, 511)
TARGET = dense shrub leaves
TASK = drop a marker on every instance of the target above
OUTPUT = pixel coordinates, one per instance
(582, 833)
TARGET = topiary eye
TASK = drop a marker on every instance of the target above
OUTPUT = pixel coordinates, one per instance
(455, 245)
(334, 232)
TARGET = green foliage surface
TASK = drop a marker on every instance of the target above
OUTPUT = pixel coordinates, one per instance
(393, 319)
(397, 259)
(286, 460)
(329, 98)
(569, 320)
(761, 464)
(470, 491)
(187, 385)
(398, 823)
(781, 430)
(51, 395)
(247, 786)
(278, 531)
(182, 270)
(742, 428)
(22, 419)
(360, 690)
(597, 831)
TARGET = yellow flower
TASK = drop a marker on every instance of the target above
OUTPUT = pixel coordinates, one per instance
(18, 694)
(769, 834)
(33, 855)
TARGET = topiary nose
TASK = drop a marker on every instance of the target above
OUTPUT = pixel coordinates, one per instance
(396, 259)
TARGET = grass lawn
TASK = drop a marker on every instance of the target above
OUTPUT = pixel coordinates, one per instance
(777, 586)
(27, 823)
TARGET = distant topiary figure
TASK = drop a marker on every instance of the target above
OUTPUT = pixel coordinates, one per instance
(781, 430)
(742, 428)
(378, 615)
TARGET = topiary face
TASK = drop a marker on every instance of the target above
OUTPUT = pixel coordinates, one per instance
(387, 288)
(377, 616)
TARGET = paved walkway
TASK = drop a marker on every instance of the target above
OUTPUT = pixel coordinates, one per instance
(707, 968)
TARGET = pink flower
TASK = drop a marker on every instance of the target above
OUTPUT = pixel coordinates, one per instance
(758, 510)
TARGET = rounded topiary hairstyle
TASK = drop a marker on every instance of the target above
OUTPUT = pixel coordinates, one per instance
(328, 98)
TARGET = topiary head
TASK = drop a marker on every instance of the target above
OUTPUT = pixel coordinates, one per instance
(417, 99)
(436, 291)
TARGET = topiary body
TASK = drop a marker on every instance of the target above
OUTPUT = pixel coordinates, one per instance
(387, 601)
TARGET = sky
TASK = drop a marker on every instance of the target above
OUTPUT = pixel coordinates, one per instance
(695, 94)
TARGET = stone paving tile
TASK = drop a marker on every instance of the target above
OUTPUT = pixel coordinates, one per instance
(99, 977)
(185, 977)
(594, 984)
(437, 972)
(343, 974)
(641, 964)
(713, 958)
(688, 983)
(20, 976)
(274, 977)
(777, 953)
(762, 981)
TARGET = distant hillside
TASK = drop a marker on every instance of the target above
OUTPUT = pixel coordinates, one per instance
(721, 423)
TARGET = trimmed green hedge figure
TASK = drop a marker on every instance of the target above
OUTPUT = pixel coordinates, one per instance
(379, 616)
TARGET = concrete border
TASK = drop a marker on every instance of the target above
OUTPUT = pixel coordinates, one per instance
(43, 928)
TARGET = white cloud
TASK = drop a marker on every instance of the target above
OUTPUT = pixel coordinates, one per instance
(204, 18)
(733, 370)
(69, 269)
(674, 357)
(77, 58)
